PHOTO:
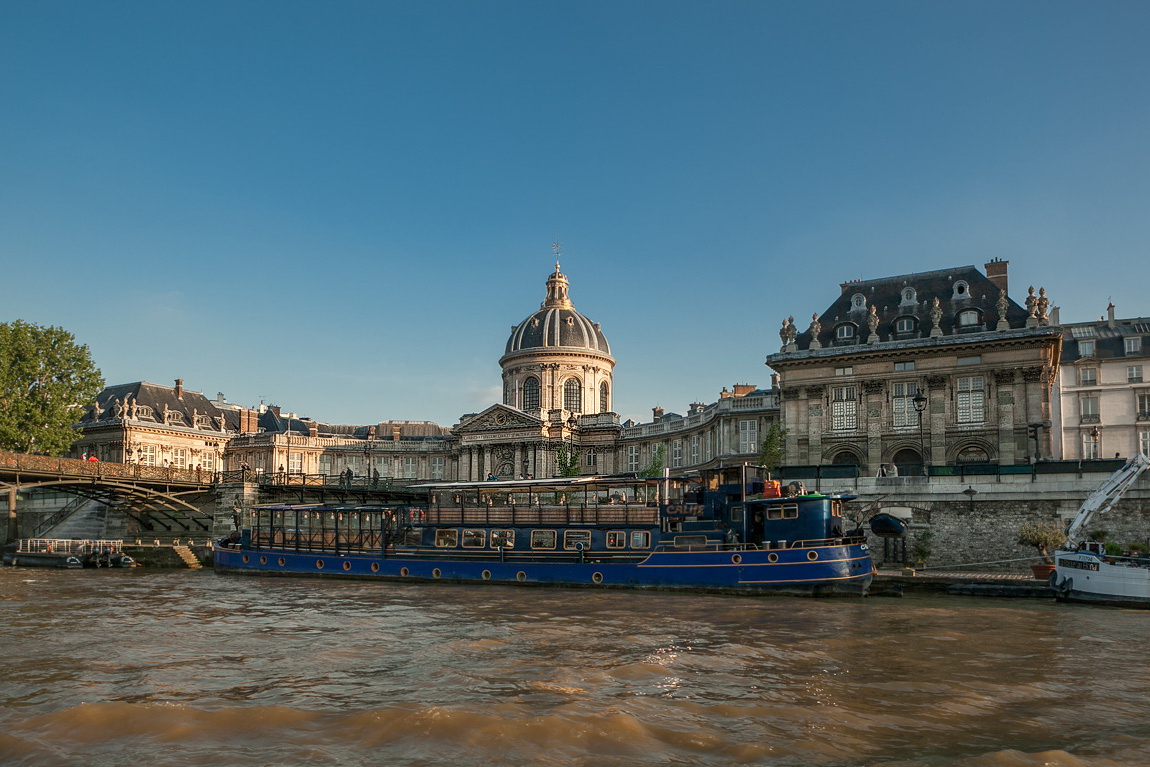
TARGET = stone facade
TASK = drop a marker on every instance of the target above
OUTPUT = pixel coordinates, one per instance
(929, 368)
(1102, 396)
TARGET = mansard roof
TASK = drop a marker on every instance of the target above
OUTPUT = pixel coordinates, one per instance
(112, 403)
(1109, 337)
(912, 296)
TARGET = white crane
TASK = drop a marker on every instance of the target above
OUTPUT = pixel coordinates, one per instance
(1105, 496)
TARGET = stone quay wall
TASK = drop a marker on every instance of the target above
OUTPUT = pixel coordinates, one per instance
(978, 529)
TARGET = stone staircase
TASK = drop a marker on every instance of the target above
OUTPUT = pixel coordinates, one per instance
(189, 558)
(84, 523)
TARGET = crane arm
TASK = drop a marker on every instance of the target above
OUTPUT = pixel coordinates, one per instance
(1106, 495)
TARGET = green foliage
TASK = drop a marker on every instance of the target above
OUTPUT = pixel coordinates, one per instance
(773, 448)
(46, 381)
(921, 549)
(567, 461)
(1043, 536)
(655, 467)
(1114, 549)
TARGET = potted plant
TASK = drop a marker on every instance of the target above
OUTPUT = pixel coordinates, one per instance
(1045, 537)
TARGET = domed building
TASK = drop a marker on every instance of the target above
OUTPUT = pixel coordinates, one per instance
(557, 359)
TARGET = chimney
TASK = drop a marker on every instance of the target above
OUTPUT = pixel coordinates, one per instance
(774, 381)
(1110, 316)
(996, 273)
(656, 413)
(179, 388)
(312, 429)
(742, 390)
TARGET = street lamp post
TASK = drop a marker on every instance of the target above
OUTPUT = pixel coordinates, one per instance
(920, 401)
(970, 492)
(1094, 440)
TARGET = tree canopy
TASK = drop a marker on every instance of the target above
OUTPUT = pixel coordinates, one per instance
(567, 461)
(773, 448)
(46, 381)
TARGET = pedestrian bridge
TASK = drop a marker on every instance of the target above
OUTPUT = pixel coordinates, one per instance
(157, 499)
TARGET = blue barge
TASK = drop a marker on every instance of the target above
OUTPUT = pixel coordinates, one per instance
(718, 532)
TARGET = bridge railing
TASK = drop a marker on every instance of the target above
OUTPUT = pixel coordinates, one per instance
(46, 464)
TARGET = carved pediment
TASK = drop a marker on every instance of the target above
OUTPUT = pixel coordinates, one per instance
(497, 418)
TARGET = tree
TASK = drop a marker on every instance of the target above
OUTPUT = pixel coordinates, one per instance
(567, 461)
(655, 467)
(773, 449)
(46, 382)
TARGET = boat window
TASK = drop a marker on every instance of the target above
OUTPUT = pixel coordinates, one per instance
(836, 508)
(640, 540)
(543, 539)
(573, 538)
(503, 539)
(683, 541)
(445, 539)
(616, 539)
(474, 539)
(783, 511)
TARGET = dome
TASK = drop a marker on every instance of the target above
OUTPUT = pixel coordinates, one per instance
(557, 325)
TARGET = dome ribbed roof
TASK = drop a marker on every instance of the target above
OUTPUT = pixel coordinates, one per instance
(557, 324)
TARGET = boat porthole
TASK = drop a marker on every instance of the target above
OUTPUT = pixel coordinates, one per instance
(772, 557)
(736, 558)
(521, 576)
(486, 575)
(404, 572)
(281, 562)
(346, 565)
(812, 555)
(436, 573)
(375, 567)
(263, 560)
(319, 564)
(597, 577)
(245, 559)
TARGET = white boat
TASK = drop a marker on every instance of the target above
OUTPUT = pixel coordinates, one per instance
(1083, 572)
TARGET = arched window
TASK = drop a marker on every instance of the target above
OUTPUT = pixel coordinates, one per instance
(858, 302)
(908, 462)
(531, 394)
(972, 454)
(961, 290)
(845, 333)
(604, 399)
(573, 395)
(845, 458)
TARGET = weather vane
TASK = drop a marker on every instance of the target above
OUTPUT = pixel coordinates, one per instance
(558, 254)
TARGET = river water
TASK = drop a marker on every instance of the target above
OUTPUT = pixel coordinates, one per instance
(180, 668)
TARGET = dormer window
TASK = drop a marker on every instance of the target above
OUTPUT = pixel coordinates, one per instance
(845, 332)
(908, 296)
(858, 301)
(1085, 348)
(905, 325)
(969, 320)
(961, 291)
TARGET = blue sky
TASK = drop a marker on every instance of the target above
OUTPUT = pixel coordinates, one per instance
(343, 207)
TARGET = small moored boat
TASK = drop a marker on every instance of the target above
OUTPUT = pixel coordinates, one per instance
(1083, 572)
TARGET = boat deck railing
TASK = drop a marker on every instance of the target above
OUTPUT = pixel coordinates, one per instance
(574, 514)
(66, 546)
